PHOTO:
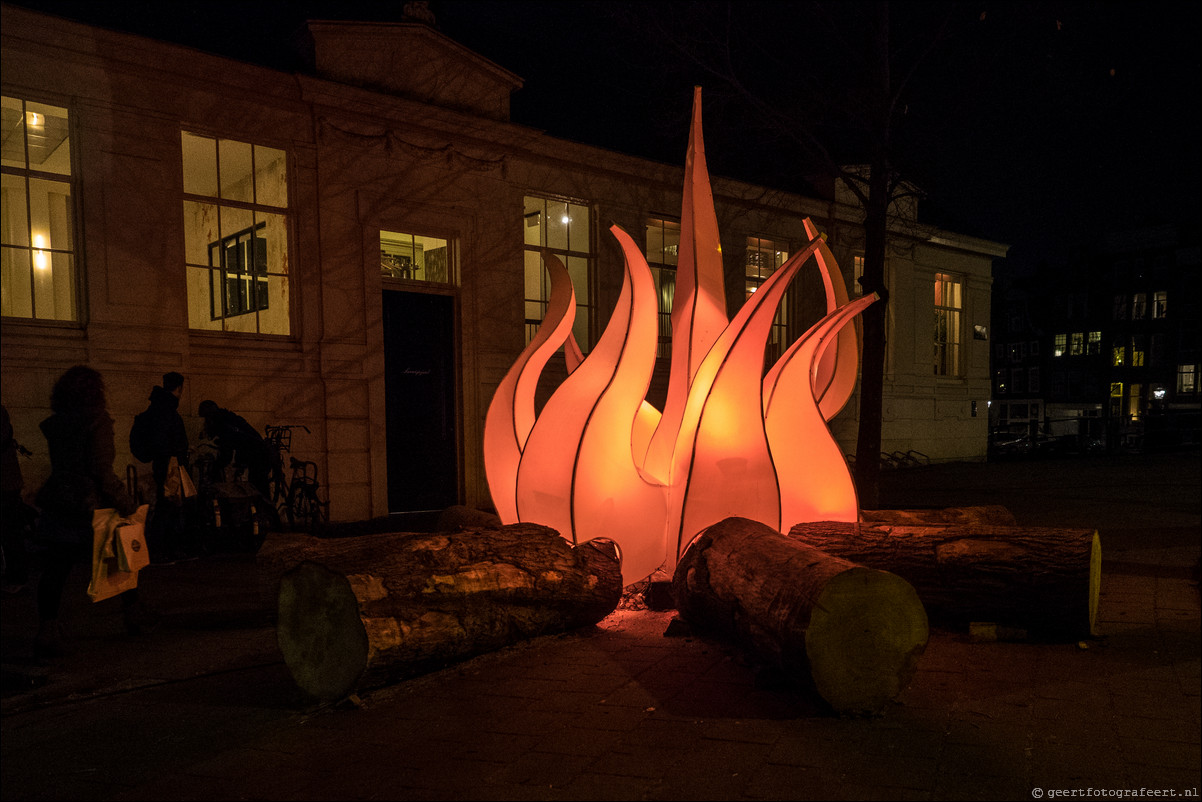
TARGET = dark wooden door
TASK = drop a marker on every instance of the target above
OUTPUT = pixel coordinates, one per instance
(419, 396)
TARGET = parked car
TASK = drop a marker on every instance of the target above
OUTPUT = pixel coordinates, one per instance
(1009, 444)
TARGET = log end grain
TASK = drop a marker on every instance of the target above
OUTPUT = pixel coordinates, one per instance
(319, 631)
(866, 634)
(1095, 582)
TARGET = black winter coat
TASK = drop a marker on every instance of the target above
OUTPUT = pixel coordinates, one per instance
(81, 471)
(170, 437)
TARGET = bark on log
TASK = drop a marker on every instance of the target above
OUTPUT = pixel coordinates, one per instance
(364, 612)
(855, 633)
(1040, 579)
(985, 514)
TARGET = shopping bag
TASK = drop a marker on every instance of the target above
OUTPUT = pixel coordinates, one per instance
(173, 489)
(129, 543)
(187, 489)
(108, 579)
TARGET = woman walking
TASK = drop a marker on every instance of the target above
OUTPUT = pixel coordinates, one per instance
(79, 434)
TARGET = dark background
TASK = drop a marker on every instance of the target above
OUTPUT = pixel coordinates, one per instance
(1044, 126)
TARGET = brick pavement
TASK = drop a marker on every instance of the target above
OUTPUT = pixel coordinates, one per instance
(204, 709)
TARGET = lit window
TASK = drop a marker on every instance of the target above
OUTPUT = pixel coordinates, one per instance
(236, 232)
(1060, 346)
(1187, 379)
(1135, 401)
(38, 273)
(663, 250)
(414, 257)
(1094, 345)
(1137, 350)
(1160, 304)
(1139, 306)
(564, 228)
(999, 382)
(1078, 343)
(949, 304)
(764, 256)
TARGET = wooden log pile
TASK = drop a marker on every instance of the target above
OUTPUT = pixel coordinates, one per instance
(363, 612)
(1040, 580)
(854, 633)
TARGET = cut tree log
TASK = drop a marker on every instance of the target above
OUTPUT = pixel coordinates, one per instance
(364, 612)
(985, 514)
(1043, 580)
(855, 633)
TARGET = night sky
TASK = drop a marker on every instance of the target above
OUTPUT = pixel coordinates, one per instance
(1039, 125)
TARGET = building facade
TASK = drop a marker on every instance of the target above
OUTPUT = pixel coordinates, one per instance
(1104, 353)
(355, 249)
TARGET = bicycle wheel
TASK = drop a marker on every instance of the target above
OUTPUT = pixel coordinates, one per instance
(305, 508)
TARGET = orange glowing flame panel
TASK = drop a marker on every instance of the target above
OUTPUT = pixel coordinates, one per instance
(600, 462)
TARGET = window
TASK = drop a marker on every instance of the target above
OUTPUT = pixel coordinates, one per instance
(663, 250)
(1094, 346)
(764, 256)
(948, 305)
(1000, 382)
(1187, 379)
(38, 271)
(1160, 304)
(1156, 349)
(1060, 346)
(1135, 401)
(236, 231)
(1120, 307)
(1137, 350)
(1018, 380)
(857, 271)
(1078, 343)
(1118, 353)
(414, 257)
(1139, 306)
(563, 227)
(1016, 352)
(1033, 380)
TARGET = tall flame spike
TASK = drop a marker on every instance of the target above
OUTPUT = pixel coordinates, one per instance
(600, 462)
(722, 465)
(699, 302)
(578, 473)
(510, 414)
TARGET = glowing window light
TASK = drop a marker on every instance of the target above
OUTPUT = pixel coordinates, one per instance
(600, 462)
(40, 260)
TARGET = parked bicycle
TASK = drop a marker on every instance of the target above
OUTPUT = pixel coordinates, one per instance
(294, 492)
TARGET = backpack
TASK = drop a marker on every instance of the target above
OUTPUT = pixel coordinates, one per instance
(141, 437)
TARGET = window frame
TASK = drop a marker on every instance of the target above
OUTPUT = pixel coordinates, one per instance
(74, 252)
(781, 334)
(533, 252)
(260, 213)
(948, 319)
(664, 265)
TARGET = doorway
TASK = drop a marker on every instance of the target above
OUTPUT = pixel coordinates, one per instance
(419, 401)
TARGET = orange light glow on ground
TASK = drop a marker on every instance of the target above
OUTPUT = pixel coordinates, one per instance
(600, 462)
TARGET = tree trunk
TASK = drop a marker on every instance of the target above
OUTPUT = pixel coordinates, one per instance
(985, 514)
(1043, 580)
(856, 633)
(363, 612)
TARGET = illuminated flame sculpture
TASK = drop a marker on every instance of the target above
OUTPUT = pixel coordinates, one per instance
(600, 462)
